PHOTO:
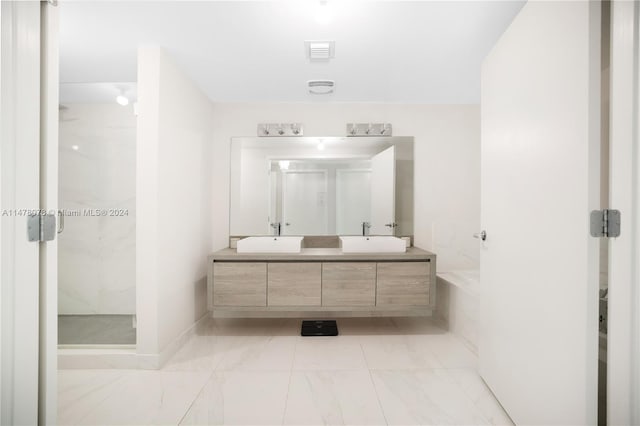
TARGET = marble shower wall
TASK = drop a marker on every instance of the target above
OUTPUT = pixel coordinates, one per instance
(96, 273)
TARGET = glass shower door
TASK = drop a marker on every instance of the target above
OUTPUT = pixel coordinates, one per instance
(96, 269)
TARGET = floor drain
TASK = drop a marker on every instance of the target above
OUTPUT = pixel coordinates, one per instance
(319, 328)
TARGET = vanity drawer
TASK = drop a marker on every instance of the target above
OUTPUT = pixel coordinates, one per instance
(349, 284)
(239, 284)
(403, 284)
(294, 284)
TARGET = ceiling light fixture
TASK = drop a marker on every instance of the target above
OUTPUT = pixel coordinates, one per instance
(122, 99)
(321, 87)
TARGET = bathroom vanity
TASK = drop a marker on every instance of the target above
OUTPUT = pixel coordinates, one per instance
(351, 197)
(326, 281)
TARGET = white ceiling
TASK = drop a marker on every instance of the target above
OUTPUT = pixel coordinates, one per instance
(386, 51)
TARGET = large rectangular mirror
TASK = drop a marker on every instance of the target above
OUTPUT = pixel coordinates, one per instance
(321, 186)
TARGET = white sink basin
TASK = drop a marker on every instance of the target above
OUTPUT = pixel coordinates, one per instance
(270, 245)
(372, 244)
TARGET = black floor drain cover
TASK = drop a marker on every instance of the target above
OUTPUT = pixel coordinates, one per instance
(319, 328)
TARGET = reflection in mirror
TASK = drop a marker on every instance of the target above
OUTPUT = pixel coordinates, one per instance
(303, 192)
(322, 186)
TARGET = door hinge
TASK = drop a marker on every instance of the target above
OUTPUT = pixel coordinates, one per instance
(605, 223)
(41, 227)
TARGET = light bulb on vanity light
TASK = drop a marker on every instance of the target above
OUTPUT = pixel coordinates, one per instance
(284, 164)
(320, 146)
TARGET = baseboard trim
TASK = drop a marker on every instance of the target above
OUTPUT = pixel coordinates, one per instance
(173, 347)
(97, 358)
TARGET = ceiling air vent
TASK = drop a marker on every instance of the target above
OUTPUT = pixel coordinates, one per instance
(320, 51)
(320, 87)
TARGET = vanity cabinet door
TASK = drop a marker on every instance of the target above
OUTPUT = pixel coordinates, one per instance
(239, 284)
(294, 284)
(348, 284)
(403, 284)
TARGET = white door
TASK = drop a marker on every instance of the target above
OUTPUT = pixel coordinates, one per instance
(304, 202)
(383, 192)
(353, 200)
(28, 118)
(540, 178)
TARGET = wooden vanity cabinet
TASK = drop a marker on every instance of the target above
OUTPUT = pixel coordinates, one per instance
(294, 284)
(403, 283)
(376, 285)
(349, 284)
(240, 284)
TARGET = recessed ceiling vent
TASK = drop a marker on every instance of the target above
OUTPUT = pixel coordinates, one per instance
(320, 51)
(321, 87)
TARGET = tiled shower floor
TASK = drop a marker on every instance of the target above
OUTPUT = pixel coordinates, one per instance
(378, 371)
(96, 330)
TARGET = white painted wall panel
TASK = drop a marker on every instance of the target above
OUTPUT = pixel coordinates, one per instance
(175, 206)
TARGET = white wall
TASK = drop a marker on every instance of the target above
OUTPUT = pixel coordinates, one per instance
(174, 201)
(96, 273)
(447, 164)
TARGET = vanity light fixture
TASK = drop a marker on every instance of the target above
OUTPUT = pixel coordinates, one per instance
(284, 164)
(321, 146)
(369, 129)
(280, 129)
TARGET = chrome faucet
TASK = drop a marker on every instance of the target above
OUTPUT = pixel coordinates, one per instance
(365, 228)
(276, 228)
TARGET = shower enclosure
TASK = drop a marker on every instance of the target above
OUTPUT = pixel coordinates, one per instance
(96, 261)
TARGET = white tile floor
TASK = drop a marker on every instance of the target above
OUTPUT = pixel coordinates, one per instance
(399, 371)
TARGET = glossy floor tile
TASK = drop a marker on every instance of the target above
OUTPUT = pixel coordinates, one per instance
(397, 371)
(240, 398)
(126, 397)
(424, 397)
(269, 353)
(333, 397)
(201, 353)
(329, 353)
(397, 352)
(450, 351)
